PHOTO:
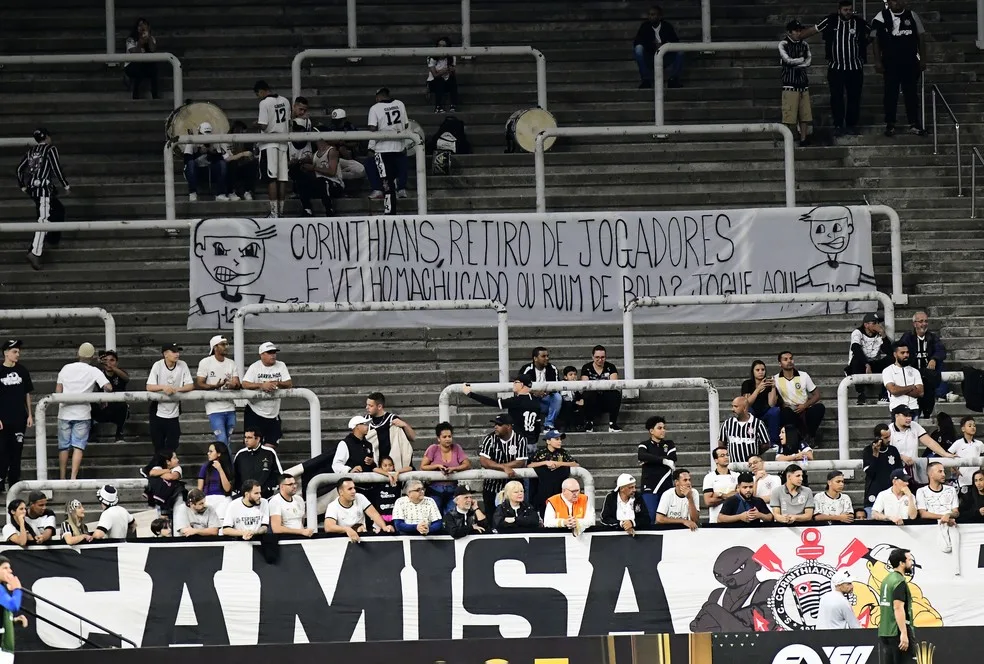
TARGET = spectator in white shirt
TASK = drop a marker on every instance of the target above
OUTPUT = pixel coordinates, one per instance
(681, 504)
(765, 483)
(211, 157)
(249, 516)
(287, 509)
(623, 508)
(17, 531)
(219, 372)
(938, 501)
(269, 375)
(719, 484)
(833, 504)
(75, 419)
(199, 519)
(835, 610)
(40, 518)
(415, 513)
(906, 436)
(114, 522)
(903, 382)
(441, 80)
(896, 503)
(169, 375)
(347, 513)
(967, 447)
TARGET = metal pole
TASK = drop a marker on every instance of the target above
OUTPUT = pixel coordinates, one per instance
(713, 415)
(420, 161)
(170, 208)
(973, 187)
(55, 313)
(110, 27)
(541, 79)
(895, 226)
(922, 99)
(980, 24)
(466, 23)
(503, 322)
(789, 168)
(239, 342)
(75, 615)
(295, 77)
(705, 21)
(40, 440)
(628, 341)
(956, 127)
(858, 464)
(539, 173)
(352, 25)
(935, 147)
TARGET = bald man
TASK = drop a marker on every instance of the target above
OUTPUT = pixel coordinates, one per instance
(568, 509)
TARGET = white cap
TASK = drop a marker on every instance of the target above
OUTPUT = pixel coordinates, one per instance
(268, 347)
(215, 341)
(338, 114)
(108, 495)
(357, 420)
(624, 480)
(841, 576)
(205, 128)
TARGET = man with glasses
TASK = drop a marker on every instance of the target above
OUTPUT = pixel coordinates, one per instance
(568, 509)
(415, 513)
(287, 510)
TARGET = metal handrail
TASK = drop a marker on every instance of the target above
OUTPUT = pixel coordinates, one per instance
(975, 156)
(74, 615)
(956, 126)
(55, 313)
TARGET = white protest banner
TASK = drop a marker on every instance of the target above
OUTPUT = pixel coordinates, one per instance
(561, 268)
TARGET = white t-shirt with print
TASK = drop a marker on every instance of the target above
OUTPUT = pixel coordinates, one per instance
(291, 512)
(824, 504)
(906, 441)
(718, 484)
(891, 505)
(901, 377)
(78, 378)
(176, 377)
(39, 524)
(214, 371)
(246, 519)
(115, 521)
(673, 506)
(9, 531)
(260, 373)
(766, 486)
(943, 501)
(966, 450)
(351, 517)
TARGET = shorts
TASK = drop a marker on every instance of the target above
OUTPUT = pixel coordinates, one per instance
(73, 433)
(273, 164)
(269, 427)
(796, 107)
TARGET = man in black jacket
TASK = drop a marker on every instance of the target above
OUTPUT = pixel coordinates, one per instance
(658, 457)
(257, 462)
(523, 407)
(651, 35)
(880, 458)
(464, 518)
(927, 354)
(900, 55)
(541, 371)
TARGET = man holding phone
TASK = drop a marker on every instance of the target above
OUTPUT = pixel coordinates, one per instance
(880, 460)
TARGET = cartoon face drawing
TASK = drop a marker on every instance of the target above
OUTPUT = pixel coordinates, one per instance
(233, 251)
(830, 229)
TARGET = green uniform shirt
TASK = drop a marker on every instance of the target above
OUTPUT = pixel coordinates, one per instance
(7, 638)
(894, 587)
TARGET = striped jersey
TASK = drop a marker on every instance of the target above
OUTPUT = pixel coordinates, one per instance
(744, 439)
(794, 57)
(502, 451)
(36, 169)
(846, 41)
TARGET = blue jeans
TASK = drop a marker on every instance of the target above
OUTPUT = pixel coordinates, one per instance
(550, 404)
(651, 500)
(672, 62)
(73, 433)
(372, 173)
(443, 496)
(218, 169)
(771, 418)
(222, 426)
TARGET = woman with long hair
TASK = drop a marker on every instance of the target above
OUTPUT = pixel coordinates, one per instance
(216, 478)
(756, 390)
(140, 40)
(514, 515)
(18, 531)
(441, 80)
(74, 530)
(972, 501)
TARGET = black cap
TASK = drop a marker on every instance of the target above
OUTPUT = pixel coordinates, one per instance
(524, 379)
(872, 318)
(461, 490)
(104, 353)
(11, 343)
(901, 409)
(40, 134)
(502, 418)
(35, 496)
(794, 25)
(172, 346)
(900, 474)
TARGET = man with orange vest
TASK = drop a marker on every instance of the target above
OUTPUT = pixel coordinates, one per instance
(568, 509)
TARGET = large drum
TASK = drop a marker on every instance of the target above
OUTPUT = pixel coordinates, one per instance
(523, 127)
(184, 120)
(415, 128)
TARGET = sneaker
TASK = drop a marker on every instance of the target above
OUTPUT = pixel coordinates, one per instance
(452, 109)
(438, 109)
(861, 400)
(171, 232)
(192, 197)
(890, 130)
(248, 196)
(376, 195)
(233, 197)
(222, 197)
(143, 473)
(402, 193)
(952, 397)
(120, 440)
(917, 131)
(589, 428)
(34, 260)
(614, 428)
(645, 84)
(883, 400)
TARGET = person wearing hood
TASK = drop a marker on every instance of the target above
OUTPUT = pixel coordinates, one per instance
(652, 34)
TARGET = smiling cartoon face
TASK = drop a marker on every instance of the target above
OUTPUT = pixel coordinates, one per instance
(830, 229)
(232, 250)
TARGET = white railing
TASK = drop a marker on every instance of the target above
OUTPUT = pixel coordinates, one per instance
(110, 27)
(705, 46)
(713, 403)
(628, 326)
(843, 421)
(975, 156)
(857, 464)
(41, 417)
(25, 486)
(199, 139)
(17, 142)
(318, 481)
(980, 24)
(355, 53)
(647, 130)
(109, 323)
(177, 80)
(239, 320)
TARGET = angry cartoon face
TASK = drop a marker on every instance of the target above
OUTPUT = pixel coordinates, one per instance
(830, 228)
(233, 251)
(735, 567)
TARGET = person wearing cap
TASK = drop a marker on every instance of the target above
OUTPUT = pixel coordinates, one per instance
(16, 414)
(795, 59)
(169, 376)
(523, 407)
(74, 529)
(833, 504)
(111, 413)
(353, 454)
(390, 157)
(114, 522)
(444, 456)
(353, 170)
(210, 157)
(75, 419)
(257, 462)
(274, 118)
(622, 509)
(870, 351)
(895, 504)
(269, 375)
(568, 509)
(36, 175)
(552, 464)
(464, 518)
(504, 450)
(744, 506)
(835, 610)
(218, 371)
(906, 434)
(902, 381)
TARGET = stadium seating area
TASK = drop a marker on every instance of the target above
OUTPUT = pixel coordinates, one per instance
(111, 151)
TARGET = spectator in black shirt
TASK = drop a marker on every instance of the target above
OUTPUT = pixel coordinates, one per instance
(597, 402)
(115, 413)
(383, 495)
(242, 171)
(514, 515)
(651, 35)
(15, 411)
(880, 459)
(552, 464)
(571, 416)
(541, 371)
(658, 457)
(464, 518)
(523, 407)
(846, 37)
(900, 55)
(756, 390)
(972, 500)
(744, 506)
(504, 450)
(257, 462)
(870, 352)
